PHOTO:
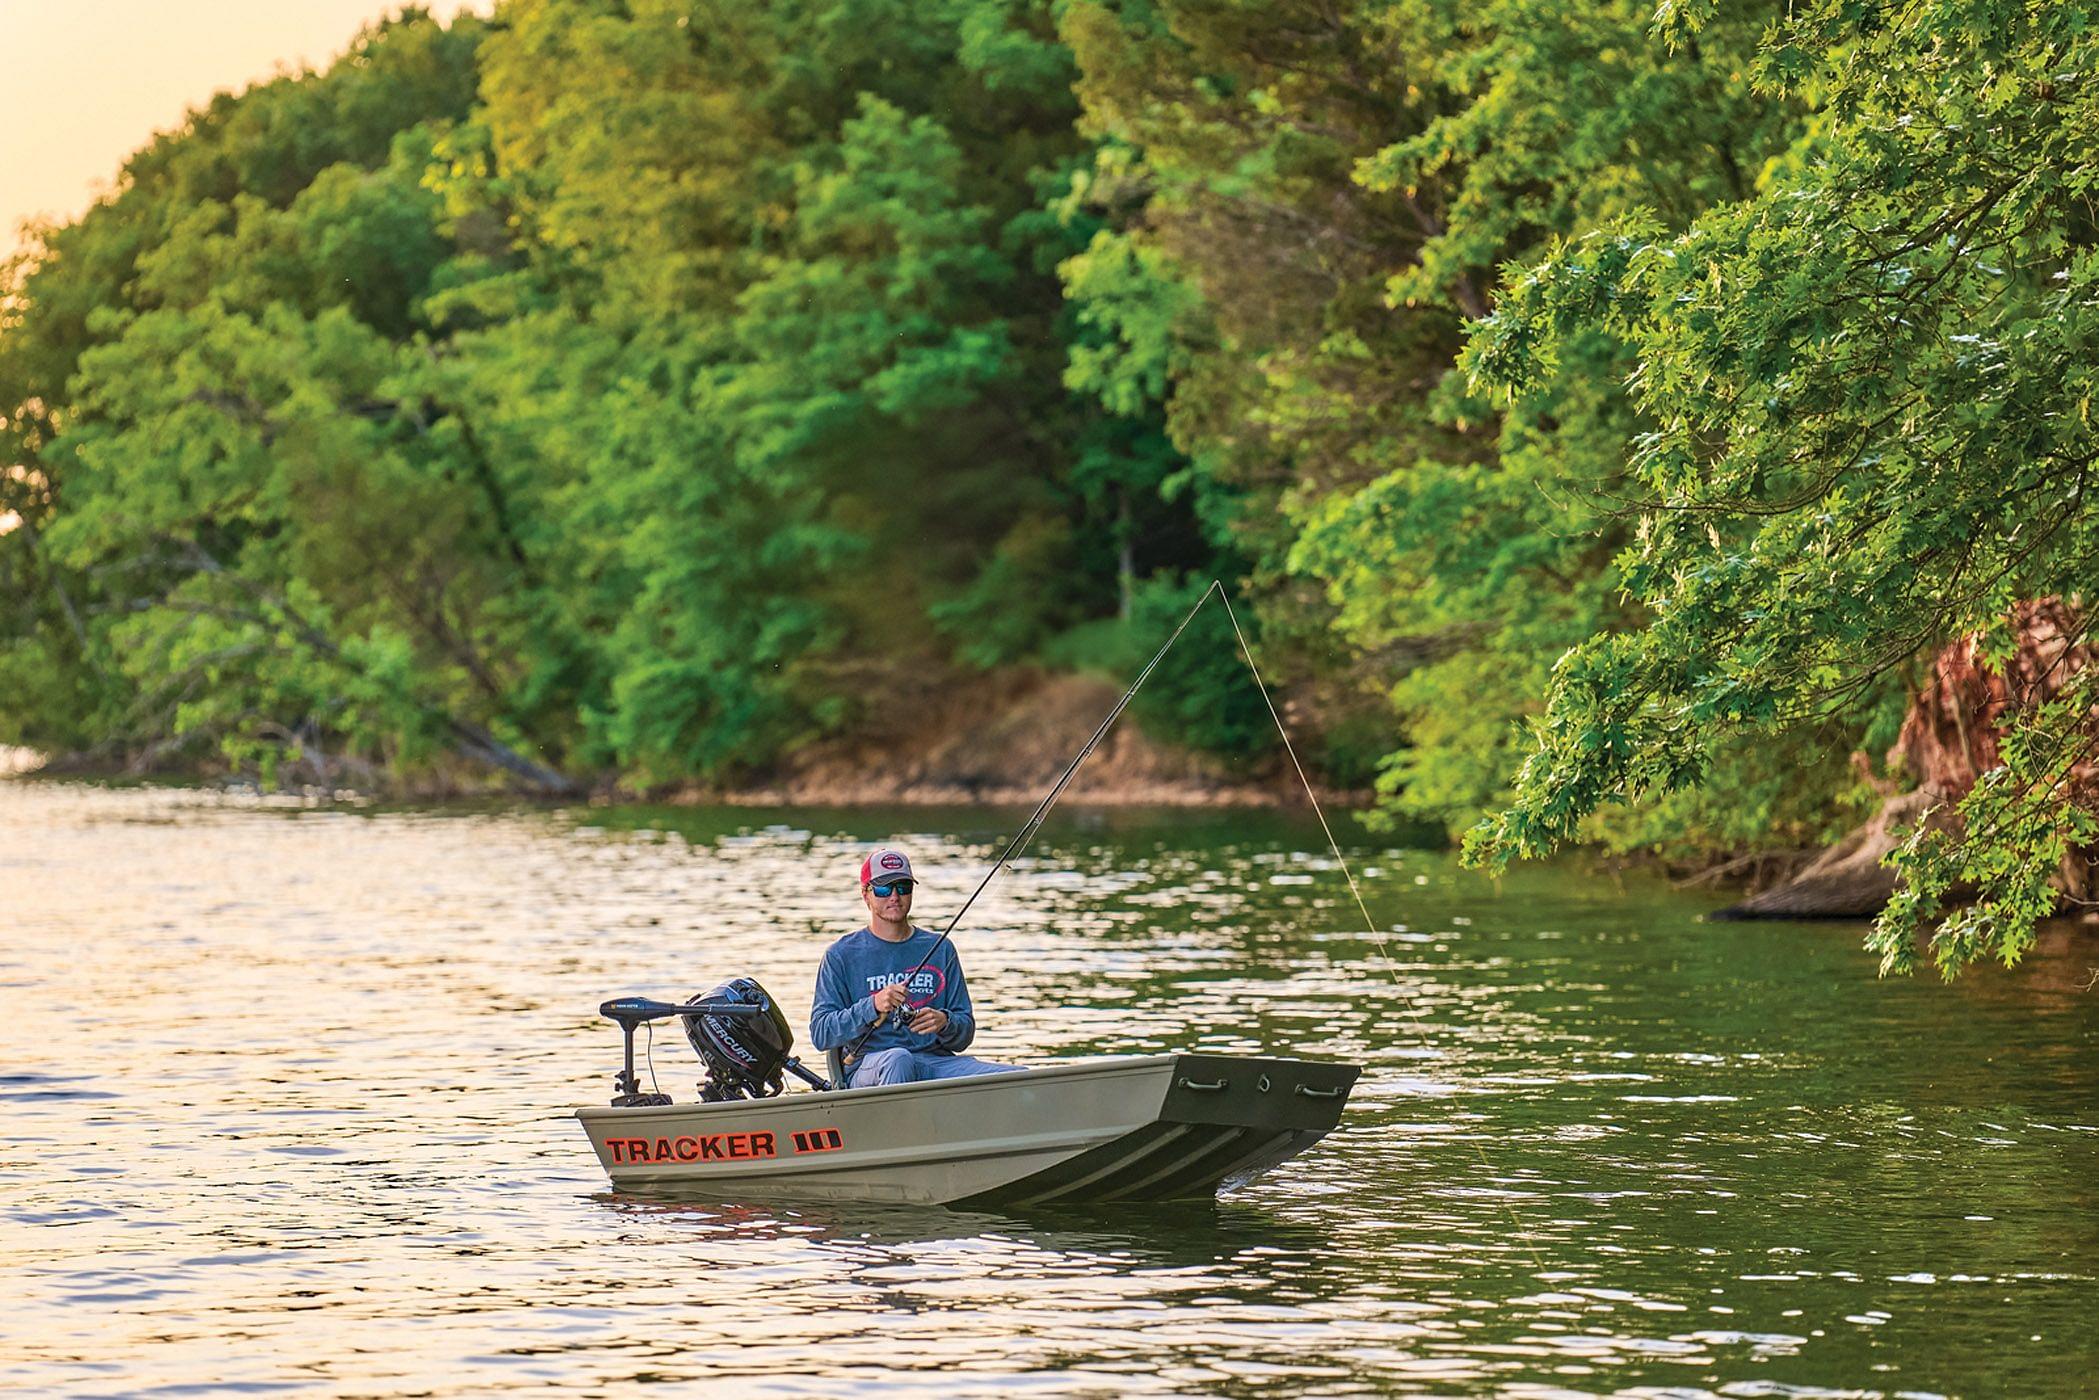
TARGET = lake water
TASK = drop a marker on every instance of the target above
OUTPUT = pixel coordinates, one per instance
(287, 1094)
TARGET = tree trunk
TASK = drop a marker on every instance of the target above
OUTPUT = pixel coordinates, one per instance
(1126, 557)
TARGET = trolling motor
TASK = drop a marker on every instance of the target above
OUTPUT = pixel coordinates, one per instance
(739, 1032)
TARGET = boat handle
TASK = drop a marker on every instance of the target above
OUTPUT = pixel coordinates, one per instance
(1186, 1083)
(1311, 1093)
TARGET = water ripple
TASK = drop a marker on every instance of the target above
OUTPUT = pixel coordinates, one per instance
(288, 1091)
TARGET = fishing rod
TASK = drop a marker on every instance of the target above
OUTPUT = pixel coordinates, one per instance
(1035, 819)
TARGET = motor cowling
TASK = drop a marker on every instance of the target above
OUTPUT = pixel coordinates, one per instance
(745, 1056)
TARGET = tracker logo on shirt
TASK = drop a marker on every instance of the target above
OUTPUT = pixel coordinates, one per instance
(926, 984)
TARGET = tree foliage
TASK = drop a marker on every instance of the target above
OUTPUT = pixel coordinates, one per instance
(1869, 390)
(1606, 412)
(607, 389)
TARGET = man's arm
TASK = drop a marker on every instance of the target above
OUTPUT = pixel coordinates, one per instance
(838, 1016)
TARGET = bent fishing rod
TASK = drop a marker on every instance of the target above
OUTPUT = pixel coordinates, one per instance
(1034, 822)
(1035, 819)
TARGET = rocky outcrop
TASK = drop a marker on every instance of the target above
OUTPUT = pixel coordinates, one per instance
(1949, 738)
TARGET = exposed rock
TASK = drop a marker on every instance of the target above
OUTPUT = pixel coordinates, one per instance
(14, 760)
(1847, 881)
(1949, 737)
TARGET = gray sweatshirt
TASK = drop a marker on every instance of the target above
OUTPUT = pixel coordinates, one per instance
(860, 964)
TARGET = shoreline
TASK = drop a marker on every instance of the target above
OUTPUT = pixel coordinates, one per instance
(1002, 740)
(1247, 797)
(870, 790)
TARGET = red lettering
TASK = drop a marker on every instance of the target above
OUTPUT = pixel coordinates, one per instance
(712, 1147)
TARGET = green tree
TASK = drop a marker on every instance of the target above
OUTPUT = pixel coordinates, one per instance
(1339, 187)
(1869, 386)
(568, 388)
(823, 240)
(213, 427)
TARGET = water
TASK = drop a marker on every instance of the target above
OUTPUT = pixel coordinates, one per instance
(286, 1093)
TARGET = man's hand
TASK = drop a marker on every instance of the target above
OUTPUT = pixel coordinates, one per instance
(930, 1020)
(891, 997)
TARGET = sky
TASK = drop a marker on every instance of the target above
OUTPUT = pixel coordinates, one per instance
(90, 81)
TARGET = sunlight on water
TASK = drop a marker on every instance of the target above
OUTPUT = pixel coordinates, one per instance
(288, 1092)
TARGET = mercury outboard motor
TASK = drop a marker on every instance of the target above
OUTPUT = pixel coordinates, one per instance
(745, 1053)
(739, 1032)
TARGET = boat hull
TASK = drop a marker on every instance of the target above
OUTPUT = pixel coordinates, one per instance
(1139, 1127)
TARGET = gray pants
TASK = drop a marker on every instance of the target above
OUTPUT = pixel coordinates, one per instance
(901, 1066)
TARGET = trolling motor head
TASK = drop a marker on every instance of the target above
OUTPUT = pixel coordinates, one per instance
(743, 1039)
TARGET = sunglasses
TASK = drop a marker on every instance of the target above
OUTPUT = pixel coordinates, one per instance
(890, 887)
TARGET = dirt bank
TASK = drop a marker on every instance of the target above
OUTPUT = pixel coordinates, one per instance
(1004, 738)
(1951, 736)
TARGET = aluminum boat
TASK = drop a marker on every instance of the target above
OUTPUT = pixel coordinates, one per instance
(1118, 1128)
(1139, 1127)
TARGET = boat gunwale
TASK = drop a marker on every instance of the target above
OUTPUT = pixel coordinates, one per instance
(1092, 1066)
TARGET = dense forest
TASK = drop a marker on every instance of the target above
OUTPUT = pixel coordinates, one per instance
(1623, 424)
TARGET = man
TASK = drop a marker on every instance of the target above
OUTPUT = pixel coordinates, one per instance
(866, 979)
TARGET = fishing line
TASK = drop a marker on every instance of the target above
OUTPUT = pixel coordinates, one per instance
(1391, 968)
(1369, 924)
(1034, 821)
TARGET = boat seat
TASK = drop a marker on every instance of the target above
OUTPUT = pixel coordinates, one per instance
(834, 1066)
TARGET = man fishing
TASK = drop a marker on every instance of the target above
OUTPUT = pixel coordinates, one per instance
(882, 976)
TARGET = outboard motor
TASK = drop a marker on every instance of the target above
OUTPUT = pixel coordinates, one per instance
(740, 1034)
(745, 1053)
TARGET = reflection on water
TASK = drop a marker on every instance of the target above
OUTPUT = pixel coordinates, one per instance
(287, 1092)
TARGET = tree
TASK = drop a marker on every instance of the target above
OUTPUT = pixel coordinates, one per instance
(572, 375)
(201, 380)
(1870, 386)
(1339, 186)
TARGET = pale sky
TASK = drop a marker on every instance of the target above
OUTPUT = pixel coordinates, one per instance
(90, 81)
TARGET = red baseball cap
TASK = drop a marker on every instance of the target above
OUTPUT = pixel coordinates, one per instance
(885, 864)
